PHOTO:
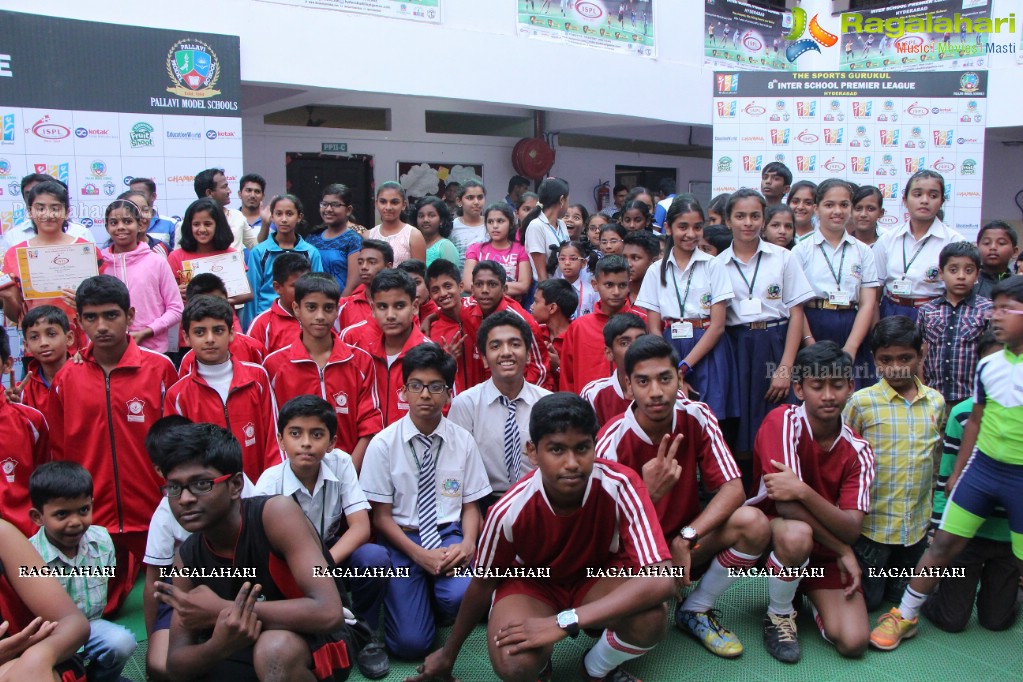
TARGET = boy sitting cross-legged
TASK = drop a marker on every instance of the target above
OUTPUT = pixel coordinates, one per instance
(68, 542)
(593, 515)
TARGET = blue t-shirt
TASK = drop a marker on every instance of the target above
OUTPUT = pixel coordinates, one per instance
(334, 252)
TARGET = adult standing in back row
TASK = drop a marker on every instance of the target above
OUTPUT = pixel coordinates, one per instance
(212, 183)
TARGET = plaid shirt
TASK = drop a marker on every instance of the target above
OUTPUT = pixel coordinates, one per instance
(906, 437)
(95, 550)
(951, 334)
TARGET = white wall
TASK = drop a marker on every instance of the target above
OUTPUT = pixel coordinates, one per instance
(1002, 180)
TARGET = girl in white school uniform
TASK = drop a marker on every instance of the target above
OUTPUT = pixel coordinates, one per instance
(686, 298)
(907, 257)
(545, 230)
(841, 271)
(765, 319)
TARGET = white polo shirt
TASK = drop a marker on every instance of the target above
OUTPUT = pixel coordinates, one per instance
(336, 492)
(899, 256)
(390, 471)
(844, 269)
(700, 285)
(541, 236)
(480, 412)
(166, 534)
(774, 287)
(25, 230)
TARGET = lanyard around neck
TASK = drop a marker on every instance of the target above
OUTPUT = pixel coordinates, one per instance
(756, 271)
(682, 299)
(841, 263)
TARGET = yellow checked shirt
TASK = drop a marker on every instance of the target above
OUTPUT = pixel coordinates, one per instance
(906, 438)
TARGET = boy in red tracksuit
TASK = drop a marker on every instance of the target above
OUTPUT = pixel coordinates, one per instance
(25, 448)
(375, 255)
(223, 390)
(553, 306)
(583, 359)
(276, 327)
(99, 413)
(320, 363)
(445, 328)
(243, 347)
(488, 287)
(394, 311)
(48, 335)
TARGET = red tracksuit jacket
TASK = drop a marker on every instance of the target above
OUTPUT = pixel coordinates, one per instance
(249, 413)
(25, 447)
(388, 379)
(355, 308)
(582, 356)
(348, 382)
(243, 347)
(537, 361)
(442, 330)
(36, 393)
(100, 421)
(275, 328)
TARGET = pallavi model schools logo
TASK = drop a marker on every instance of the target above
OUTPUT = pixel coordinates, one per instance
(193, 68)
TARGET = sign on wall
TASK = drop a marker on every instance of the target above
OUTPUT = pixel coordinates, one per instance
(741, 36)
(413, 10)
(626, 26)
(874, 128)
(113, 103)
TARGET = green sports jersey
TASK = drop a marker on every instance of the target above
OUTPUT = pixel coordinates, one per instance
(999, 388)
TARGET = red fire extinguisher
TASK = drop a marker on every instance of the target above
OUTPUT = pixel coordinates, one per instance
(602, 194)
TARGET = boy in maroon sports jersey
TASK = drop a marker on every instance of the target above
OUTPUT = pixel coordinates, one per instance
(594, 516)
(812, 474)
(99, 412)
(676, 445)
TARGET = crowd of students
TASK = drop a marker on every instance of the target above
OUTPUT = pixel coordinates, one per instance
(751, 388)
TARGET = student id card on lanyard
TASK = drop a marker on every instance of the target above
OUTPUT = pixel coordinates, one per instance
(749, 306)
(682, 329)
(837, 297)
(904, 287)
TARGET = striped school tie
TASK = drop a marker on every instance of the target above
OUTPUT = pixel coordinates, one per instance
(512, 441)
(429, 538)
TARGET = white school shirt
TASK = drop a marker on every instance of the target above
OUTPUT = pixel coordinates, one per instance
(921, 257)
(541, 236)
(166, 534)
(588, 296)
(336, 492)
(709, 285)
(779, 284)
(822, 264)
(462, 236)
(480, 412)
(390, 471)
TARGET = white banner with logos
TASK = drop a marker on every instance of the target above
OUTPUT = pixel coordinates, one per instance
(873, 128)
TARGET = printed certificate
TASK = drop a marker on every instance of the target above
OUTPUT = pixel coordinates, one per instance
(229, 267)
(45, 270)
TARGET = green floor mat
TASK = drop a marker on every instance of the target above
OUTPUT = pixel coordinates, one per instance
(974, 654)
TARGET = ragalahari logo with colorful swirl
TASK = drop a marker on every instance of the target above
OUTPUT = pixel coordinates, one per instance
(798, 45)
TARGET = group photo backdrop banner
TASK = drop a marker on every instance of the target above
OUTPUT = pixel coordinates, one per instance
(875, 128)
(113, 103)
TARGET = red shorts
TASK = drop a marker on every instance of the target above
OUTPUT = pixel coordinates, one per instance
(832, 579)
(558, 595)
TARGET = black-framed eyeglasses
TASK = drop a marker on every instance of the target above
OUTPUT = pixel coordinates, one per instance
(434, 387)
(332, 204)
(200, 487)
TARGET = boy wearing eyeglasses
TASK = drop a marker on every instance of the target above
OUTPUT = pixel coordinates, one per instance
(423, 476)
(393, 293)
(99, 412)
(253, 592)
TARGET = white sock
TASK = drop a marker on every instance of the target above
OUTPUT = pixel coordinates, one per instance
(608, 653)
(716, 580)
(911, 602)
(781, 589)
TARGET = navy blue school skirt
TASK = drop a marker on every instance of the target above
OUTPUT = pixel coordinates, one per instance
(757, 351)
(835, 325)
(890, 308)
(714, 376)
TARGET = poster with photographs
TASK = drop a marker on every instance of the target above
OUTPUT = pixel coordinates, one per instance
(938, 35)
(626, 26)
(423, 178)
(427, 11)
(740, 36)
(873, 128)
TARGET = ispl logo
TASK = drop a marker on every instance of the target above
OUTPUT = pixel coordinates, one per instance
(833, 135)
(943, 138)
(727, 109)
(860, 165)
(943, 166)
(727, 82)
(917, 109)
(806, 109)
(806, 164)
(46, 130)
(833, 165)
(914, 163)
(8, 129)
(752, 163)
(754, 109)
(889, 137)
(862, 109)
(806, 137)
(779, 136)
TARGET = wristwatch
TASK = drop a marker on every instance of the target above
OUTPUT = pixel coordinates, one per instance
(689, 533)
(569, 622)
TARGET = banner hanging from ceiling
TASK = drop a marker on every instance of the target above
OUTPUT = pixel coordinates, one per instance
(626, 27)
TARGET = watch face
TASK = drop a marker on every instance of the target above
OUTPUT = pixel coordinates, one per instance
(566, 618)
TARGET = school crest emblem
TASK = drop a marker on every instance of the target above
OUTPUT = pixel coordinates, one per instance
(193, 68)
(705, 300)
(341, 402)
(9, 465)
(250, 434)
(932, 274)
(857, 271)
(451, 487)
(136, 410)
(774, 292)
